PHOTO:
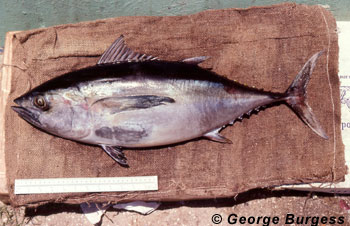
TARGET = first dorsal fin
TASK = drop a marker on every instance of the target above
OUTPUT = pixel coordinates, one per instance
(118, 52)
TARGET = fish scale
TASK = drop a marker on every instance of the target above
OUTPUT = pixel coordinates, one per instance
(130, 99)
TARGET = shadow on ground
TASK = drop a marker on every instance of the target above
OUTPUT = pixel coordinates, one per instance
(255, 194)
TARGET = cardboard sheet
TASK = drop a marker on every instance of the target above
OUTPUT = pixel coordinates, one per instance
(261, 46)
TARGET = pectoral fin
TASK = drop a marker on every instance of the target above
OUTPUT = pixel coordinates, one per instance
(118, 104)
(215, 136)
(116, 154)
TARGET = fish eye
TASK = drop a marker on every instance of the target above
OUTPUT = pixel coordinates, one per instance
(40, 102)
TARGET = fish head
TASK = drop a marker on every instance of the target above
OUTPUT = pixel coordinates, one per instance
(49, 111)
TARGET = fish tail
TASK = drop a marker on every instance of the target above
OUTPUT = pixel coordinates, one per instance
(296, 96)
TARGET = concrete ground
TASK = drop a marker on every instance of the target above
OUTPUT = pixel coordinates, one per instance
(270, 207)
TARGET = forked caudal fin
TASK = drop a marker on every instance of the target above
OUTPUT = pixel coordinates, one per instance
(296, 96)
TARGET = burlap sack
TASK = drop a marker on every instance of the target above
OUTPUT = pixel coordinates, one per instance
(261, 46)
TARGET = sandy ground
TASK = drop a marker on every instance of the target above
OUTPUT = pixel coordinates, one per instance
(319, 209)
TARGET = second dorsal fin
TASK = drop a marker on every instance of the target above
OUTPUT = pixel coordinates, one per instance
(118, 52)
(195, 60)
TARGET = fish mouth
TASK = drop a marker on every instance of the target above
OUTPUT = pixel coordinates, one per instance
(17, 101)
(27, 115)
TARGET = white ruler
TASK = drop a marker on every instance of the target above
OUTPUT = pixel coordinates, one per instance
(87, 184)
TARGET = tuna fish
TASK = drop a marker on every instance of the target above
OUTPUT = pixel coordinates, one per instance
(133, 100)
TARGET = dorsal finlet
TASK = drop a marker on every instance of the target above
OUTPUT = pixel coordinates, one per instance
(119, 52)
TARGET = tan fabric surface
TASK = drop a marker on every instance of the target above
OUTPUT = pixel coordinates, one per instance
(263, 47)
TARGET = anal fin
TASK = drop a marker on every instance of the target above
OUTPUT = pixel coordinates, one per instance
(215, 136)
(116, 154)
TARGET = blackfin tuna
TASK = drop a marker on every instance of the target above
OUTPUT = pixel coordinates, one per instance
(133, 100)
